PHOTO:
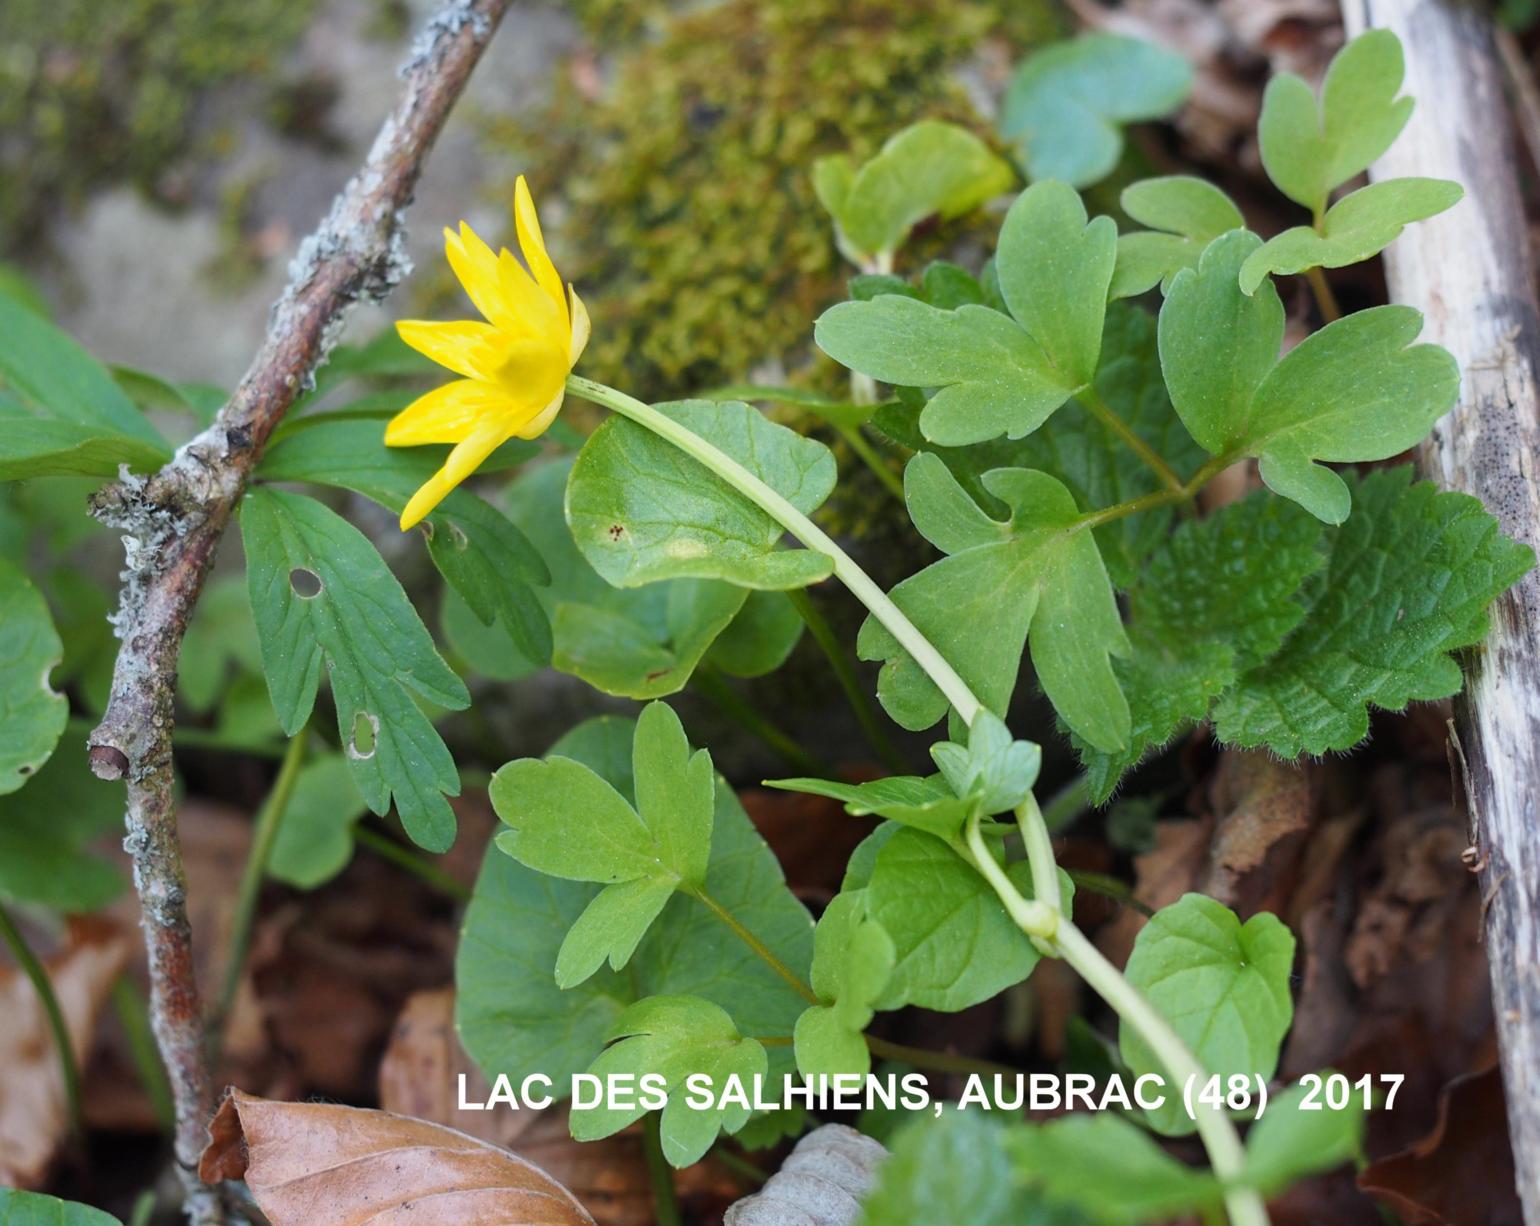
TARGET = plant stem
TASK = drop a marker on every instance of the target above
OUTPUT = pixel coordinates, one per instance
(955, 689)
(1048, 927)
(1244, 1205)
(424, 870)
(867, 454)
(269, 818)
(1325, 300)
(709, 682)
(1102, 411)
(1160, 498)
(1068, 803)
(739, 1166)
(1039, 846)
(823, 634)
(133, 1012)
(1108, 887)
(936, 1061)
(35, 972)
(665, 1197)
(761, 950)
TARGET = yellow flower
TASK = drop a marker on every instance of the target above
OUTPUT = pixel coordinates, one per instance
(515, 365)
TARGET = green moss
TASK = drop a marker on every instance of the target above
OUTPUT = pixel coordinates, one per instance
(692, 228)
(100, 91)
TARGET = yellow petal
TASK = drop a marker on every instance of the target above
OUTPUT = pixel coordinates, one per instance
(476, 267)
(531, 371)
(580, 329)
(445, 415)
(464, 346)
(541, 422)
(537, 314)
(467, 456)
(532, 244)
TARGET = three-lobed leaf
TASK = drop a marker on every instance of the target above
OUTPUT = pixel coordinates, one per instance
(1222, 985)
(994, 376)
(852, 959)
(1312, 145)
(1067, 102)
(567, 821)
(640, 509)
(1356, 390)
(322, 596)
(1035, 573)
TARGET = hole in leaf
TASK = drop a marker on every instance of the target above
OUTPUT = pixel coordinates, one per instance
(306, 583)
(427, 529)
(23, 769)
(366, 730)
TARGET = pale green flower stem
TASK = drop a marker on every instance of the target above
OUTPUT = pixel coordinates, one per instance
(1042, 917)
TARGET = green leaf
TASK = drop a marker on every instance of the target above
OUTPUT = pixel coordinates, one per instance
(1290, 1143)
(635, 642)
(994, 770)
(1223, 986)
(1408, 581)
(1184, 215)
(1310, 145)
(676, 1037)
(951, 1169)
(483, 555)
(954, 945)
(513, 1018)
(221, 634)
(1032, 571)
(479, 649)
(641, 855)
(315, 839)
(928, 169)
(34, 1209)
(64, 383)
(47, 828)
(1110, 1169)
(1075, 447)
(42, 447)
(1358, 389)
(641, 509)
(923, 804)
(995, 377)
(760, 638)
(32, 715)
(1357, 226)
(1067, 103)
(321, 594)
(1217, 598)
(852, 959)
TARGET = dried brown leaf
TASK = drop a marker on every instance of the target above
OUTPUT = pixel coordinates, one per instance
(1264, 809)
(34, 1114)
(317, 1164)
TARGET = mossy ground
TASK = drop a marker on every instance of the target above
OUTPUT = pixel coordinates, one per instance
(692, 225)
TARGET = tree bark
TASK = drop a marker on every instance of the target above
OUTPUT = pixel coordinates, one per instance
(1469, 272)
(172, 523)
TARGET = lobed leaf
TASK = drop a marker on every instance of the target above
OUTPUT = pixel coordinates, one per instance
(1032, 572)
(1356, 227)
(640, 509)
(928, 169)
(852, 959)
(1312, 145)
(1184, 214)
(321, 595)
(1066, 103)
(1222, 985)
(995, 376)
(1356, 390)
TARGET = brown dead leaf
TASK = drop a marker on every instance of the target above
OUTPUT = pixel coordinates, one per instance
(34, 1113)
(1462, 1171)
(1161, 876)
(1264, 809)
(317, 1164)
(420, 1076)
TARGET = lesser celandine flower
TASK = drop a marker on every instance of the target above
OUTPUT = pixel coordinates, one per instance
(515, 365)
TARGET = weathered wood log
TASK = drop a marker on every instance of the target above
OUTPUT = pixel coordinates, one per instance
(1469, 272)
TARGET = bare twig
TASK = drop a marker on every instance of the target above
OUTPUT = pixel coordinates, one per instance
(172, 523)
